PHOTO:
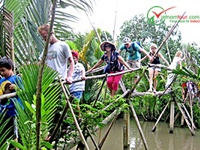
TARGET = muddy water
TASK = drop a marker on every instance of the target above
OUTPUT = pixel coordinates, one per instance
(161, 139)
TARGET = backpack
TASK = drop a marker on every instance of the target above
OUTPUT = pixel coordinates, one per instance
(114, 65)
(133, 46)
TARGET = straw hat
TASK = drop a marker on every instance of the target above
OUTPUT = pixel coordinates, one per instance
(102, 46)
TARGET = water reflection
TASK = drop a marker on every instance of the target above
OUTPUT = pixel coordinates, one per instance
(161, 139)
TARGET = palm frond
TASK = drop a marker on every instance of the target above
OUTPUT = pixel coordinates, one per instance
(3, 131)
(49, 100)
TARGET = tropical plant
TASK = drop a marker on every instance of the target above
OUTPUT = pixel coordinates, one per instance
(27, 16)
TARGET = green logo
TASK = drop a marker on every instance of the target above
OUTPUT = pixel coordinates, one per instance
(155, 13)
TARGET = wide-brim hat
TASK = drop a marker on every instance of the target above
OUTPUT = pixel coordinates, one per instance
(102, 46)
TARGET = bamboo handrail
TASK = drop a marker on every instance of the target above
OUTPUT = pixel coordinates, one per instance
(104, 75)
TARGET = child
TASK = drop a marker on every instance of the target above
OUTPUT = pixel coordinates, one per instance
(176, 61)
(9, 82)
(114, 64)
(77, 88)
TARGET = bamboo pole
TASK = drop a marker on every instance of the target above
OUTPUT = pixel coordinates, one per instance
(154, 127)
(167, 87)
(115, 21)
(138, 125)
(171, 122)
(74, 117)
(4, 96)
(136, 83)
(95, 30)
(104, 75)
(185, 118)
(93, 141)
(107, 132)
(73, 142)
(12, 43)
(60, 121)
(39, 82)
(126, 129)
(96, 70)
(169, 33)
(132, 95)
(100, 90)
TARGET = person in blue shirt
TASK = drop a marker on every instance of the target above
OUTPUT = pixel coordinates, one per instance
(8, 84)
(134, 54)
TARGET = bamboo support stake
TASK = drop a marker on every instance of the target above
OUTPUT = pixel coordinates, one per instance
(138, 125)
(138, 80)
(100, 90)
(73, 142)
(123, 95)
(171, 124)
(185, 118)
(107, 132)
(188, 115)
(154, 127)
(191, 109)
(126, 129)
(60, 120)
(93, 141)
(39, 82)
(74, 117)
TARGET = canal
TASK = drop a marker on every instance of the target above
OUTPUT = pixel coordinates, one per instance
(161, 139)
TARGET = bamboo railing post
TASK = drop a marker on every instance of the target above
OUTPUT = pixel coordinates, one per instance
(127, 124)
(74, 117)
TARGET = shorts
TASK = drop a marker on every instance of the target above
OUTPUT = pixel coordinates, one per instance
(134, 63)
(77, 94)
(154, 68)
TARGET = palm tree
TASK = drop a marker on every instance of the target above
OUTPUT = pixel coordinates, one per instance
(24, 16)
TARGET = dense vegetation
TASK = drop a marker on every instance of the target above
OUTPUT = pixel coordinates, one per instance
(23, 44)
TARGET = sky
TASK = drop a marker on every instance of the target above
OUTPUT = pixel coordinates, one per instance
(108, 14)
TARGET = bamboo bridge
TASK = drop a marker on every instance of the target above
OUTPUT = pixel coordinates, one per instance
(127, 94)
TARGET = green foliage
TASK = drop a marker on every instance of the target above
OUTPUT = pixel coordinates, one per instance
(27, 114)
(4, 131)
(138, 29)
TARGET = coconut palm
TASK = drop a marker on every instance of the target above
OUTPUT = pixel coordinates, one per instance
(20, 33)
